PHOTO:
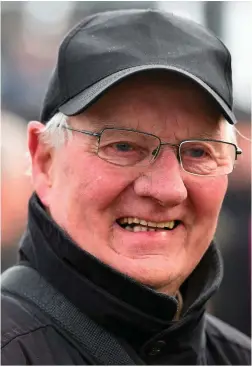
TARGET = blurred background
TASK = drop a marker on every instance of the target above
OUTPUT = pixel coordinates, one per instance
(31, 33)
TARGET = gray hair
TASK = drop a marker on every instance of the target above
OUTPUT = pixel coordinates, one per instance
(231, 133)
(55, 135)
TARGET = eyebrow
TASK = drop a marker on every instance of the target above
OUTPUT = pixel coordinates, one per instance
(206, 135)
(99, 125)
(103, 124)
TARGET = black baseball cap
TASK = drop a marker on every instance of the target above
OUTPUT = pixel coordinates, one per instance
(105, 48)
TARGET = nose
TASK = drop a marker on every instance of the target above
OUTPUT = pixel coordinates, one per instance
(163, 180)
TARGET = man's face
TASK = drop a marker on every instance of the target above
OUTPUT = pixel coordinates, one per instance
(87, 195)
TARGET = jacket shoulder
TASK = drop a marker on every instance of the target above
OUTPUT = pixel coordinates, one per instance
(29, 337)
(225, 344)
(17, 319)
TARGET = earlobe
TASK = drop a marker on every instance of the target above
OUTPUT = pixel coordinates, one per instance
(41, 161)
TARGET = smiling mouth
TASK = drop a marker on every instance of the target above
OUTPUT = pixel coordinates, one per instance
(139, 225)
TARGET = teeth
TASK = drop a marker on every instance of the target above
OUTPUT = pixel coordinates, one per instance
(142, 229)
(151, 224)
(135, 220)
(143, 222)
(137, 229)
(171, 224)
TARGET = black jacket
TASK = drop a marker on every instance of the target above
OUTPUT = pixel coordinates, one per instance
(140, 318)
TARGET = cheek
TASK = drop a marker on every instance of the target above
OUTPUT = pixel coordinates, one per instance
(205, 199)
(93, 184)
(206, 196)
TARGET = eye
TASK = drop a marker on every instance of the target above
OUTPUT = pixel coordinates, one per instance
(123, 147)
(195, 152)
(192, 150)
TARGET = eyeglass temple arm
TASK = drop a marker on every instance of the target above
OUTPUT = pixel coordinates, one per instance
(82, 131)
(238, 152)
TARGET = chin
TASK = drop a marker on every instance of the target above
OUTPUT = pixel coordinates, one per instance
(152, 273)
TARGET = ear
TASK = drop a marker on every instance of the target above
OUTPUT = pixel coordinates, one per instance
(41, 155)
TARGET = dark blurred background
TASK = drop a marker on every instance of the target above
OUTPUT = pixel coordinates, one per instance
(31, 33)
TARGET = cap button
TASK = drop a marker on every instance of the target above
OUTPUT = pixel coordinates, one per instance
(156, 348)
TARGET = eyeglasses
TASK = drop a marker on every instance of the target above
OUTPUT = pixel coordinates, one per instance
(128, 147)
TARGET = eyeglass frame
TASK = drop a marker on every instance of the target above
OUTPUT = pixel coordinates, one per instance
(238, 150)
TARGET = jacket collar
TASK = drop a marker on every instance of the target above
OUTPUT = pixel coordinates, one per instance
(133, 311)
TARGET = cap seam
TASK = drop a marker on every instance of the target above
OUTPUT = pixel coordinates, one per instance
(159, 63)
(111, 73)
(128, 67)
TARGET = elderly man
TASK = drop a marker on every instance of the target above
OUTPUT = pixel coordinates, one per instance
(129, 166)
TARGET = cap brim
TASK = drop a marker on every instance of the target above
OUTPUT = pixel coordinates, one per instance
(84, 99)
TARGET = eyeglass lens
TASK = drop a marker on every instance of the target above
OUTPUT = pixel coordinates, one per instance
(127, 148)
(130, 148)
(208, 158)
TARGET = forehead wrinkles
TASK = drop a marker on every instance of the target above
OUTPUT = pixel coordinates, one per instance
(129, 114)
(133, 99)
(177, 127)
(155, 107)
(172, 127)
